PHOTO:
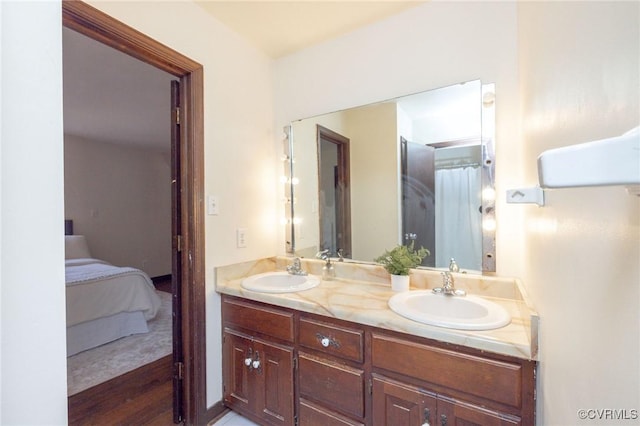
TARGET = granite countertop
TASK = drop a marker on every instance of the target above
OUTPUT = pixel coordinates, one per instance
(365, 301)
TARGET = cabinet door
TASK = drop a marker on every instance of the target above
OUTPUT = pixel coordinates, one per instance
(237, 379)
(275, 383)
(396, 403)
(458, 413)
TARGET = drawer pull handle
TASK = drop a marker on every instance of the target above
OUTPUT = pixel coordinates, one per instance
(443, 420)
(327, 341)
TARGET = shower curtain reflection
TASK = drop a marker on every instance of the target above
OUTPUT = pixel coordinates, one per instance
(458, 217)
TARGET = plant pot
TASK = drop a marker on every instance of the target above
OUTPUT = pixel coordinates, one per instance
(399, 282)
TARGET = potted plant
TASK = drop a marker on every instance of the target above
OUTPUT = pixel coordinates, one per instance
(399, 261)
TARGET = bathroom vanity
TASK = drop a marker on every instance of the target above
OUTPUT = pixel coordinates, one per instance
(337, 355)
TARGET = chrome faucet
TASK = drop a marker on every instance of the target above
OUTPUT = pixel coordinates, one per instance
(448, 288)
(296, 268)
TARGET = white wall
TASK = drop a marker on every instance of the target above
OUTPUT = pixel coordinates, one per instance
(373, 132)
(580, 82)
(578, 256)
(429, 46)
(239, 156)
(33, 350)
(239, 168)
(119, 197)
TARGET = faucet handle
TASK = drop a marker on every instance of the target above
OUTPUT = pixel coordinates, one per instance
(324, 254)
(296, 267)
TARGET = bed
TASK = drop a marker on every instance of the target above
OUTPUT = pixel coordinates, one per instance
(104, 302)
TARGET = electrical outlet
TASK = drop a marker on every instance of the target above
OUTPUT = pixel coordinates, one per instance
(241, 237)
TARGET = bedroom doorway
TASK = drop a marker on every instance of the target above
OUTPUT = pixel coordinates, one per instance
(188, 238)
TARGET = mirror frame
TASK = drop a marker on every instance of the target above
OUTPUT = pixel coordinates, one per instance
(488, 195)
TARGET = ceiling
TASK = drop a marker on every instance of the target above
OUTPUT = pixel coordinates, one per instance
(109, 96)
(279, 28)
(112, 97)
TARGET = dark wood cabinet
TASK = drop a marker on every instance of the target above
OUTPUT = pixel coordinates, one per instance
(401, 403)
(258, 374)
(331, 372)
(448, 387)
(460, 413)
(284, 367)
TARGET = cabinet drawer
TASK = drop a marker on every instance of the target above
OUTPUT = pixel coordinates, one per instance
(484, 377)
(347, 343)
(333, 385)
(313, 415)
(272, 322)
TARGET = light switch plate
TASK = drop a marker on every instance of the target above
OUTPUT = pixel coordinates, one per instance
(212, 205)
(241, 237)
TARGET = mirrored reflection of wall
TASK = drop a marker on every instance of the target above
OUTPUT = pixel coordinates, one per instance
(447, 119)
(374, 179)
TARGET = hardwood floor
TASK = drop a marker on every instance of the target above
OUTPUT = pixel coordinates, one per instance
(142, 397)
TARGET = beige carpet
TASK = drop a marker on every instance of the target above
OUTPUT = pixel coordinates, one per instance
(105, 362)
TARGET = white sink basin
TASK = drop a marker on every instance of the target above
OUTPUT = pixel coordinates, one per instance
(459, 312)
(279, 282)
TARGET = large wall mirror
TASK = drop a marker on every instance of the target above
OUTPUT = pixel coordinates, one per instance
(416, 168)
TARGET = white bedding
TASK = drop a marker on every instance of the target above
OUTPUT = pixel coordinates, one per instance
(96, 289)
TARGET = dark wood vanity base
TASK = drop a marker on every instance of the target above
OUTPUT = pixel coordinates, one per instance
(317, 370)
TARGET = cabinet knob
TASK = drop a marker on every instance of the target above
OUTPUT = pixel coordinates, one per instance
(256, 364)
(327, 341)
(249, 358)
(427, 417)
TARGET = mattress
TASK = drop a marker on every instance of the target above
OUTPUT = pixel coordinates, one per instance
(106, 302)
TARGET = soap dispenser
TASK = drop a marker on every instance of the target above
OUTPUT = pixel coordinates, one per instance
(328, 271)
(453, 266)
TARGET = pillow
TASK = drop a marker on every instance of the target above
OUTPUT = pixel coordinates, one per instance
(75, 247)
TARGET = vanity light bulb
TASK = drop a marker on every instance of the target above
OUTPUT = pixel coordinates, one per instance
(489, 224)
(489, 194)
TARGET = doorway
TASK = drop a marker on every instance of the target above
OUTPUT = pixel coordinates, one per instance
(334, 192)
(418, 197)
(189, 244)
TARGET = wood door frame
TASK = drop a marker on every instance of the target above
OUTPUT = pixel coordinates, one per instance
(343, 216)
(99, 26)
